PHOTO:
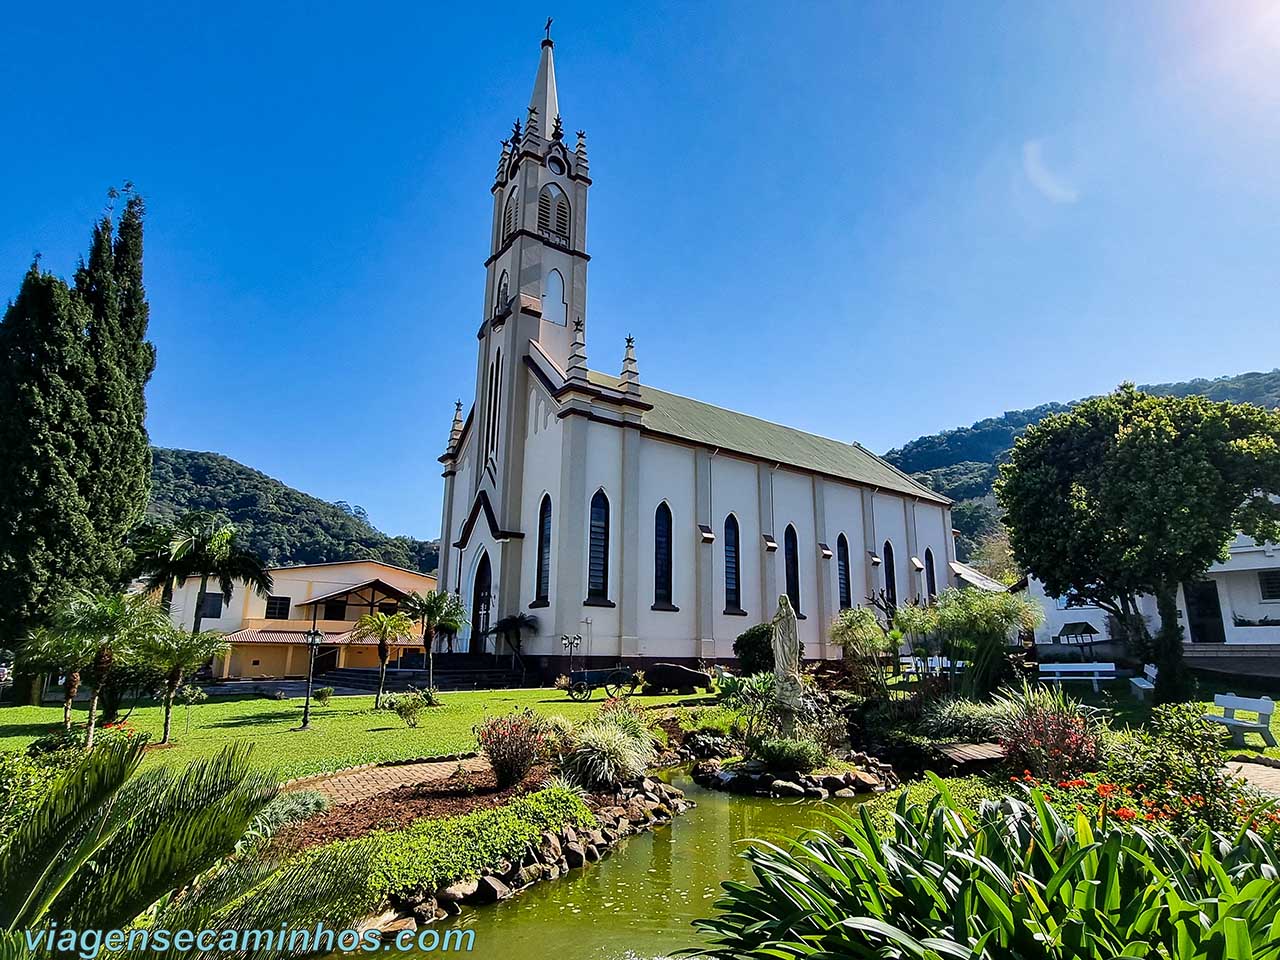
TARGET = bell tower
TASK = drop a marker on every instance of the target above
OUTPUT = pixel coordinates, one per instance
(537, 257)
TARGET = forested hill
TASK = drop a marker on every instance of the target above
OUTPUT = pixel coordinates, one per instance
(962, 463)
(282, 525)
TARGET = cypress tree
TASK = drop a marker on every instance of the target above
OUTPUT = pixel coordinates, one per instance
(118, 449)
(74, 364)
(47, 541)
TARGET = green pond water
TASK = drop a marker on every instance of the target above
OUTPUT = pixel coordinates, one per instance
(639, 901)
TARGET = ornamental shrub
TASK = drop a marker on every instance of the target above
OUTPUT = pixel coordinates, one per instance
(781, 753)
(407, 706)
(958, 718)
(512, 743)
(24, 780)
(433, 853)
(1046, 732)
(322, 695)
(754, 649)
(607, 755)
(1005, 881)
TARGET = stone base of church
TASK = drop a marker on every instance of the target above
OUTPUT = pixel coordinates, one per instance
(550, 667)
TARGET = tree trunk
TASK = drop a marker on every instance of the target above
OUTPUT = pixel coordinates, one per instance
(70, 687)
(93, 716)
(204, 584)
(383, 655)
(428, 644)
(1173, 682)
(172, 682)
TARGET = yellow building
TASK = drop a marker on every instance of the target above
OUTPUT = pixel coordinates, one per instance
(268, 634)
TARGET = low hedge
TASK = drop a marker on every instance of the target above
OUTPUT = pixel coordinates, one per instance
(966, 791)
(432, 853)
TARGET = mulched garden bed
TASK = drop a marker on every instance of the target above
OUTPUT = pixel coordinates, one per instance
(464, 792)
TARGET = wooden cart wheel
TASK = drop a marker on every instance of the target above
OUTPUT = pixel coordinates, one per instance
(580, 691)
(619, 682)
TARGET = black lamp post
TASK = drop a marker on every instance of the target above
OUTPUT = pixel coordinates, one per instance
(313, 638)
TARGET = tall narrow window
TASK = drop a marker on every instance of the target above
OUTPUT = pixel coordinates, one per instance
(930, 576)
(598, 558)
(495, 402)
(890, 574)
(792, 563)
(732, 564)
(542, 588)
(509, 216)
(562, 217)
(503, 295)
(842, 572)
(662, 556)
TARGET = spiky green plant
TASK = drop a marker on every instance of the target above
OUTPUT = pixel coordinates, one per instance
(106, 844)
(1009, 881)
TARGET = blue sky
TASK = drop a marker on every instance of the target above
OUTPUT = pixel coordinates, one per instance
(872, 221)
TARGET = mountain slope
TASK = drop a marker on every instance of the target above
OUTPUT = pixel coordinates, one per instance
(280, 524)
(962, 463)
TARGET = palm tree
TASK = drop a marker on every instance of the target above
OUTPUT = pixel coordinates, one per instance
(386, 628)
(512, 629)
(67, 654)
(176, 653)
(436, 612)
(188, 848)
(201, 544)
(99, 627)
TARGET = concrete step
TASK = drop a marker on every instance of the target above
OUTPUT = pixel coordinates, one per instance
(449, 678)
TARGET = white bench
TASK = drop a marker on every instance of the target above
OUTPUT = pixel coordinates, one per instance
(1144, 685)
(932, 665)
(1264, 707)
(1060, 672)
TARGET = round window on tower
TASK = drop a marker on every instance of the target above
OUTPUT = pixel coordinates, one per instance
(556, 166)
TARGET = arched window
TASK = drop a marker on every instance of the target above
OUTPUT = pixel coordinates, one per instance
(792, 563)
(553, 213)
(930, 576)
(542, 587)
(662, 556)
(554, 303)
(598, 554)
(503, 294)
(890, 574)
(509, 216)
(732, 565)
(842, 572)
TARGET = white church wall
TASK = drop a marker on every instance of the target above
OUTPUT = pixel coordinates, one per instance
(603, 471)
(667, 473)
(931, 534)
(543, 438)
(793, 504)
(891, 525)
(735, 489)
(844, 515)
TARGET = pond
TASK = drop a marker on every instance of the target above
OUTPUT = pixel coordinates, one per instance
(639, 902)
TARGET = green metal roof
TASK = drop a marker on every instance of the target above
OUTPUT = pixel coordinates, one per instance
(716, 427)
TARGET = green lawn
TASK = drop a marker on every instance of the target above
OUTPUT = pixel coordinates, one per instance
(1126, 708)
(345, 733)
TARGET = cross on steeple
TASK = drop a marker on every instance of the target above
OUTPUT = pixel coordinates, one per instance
(548, 28)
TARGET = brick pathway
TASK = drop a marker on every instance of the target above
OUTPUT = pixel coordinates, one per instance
(1259, 775)
(361, 784)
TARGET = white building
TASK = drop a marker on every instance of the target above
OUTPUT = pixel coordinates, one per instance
(1236, 605)
(654, 526)
(268, 635)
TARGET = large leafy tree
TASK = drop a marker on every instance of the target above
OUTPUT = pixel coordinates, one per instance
(1133, 494)
(386, 629)
(176, 653)
(199, 545)
(441, 612)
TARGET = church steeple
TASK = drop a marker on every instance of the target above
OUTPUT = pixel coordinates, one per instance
(538, 254)
(544, 98)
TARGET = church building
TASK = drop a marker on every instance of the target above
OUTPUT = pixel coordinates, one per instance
(652, 526)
